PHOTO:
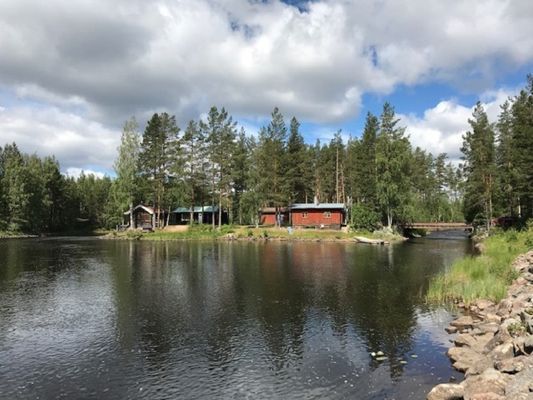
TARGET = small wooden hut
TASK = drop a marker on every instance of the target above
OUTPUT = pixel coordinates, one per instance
(318, 215)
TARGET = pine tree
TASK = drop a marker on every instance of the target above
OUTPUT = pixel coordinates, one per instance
(241, 166)
(479, 167)
(220, 134)
(270, 159)
(295, 164)
(393, 153)
(155, 157)
(522, 127)
(126, 168)
(506, 172)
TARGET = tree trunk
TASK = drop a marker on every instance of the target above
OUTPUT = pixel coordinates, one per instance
(219, 211)
(131, 215)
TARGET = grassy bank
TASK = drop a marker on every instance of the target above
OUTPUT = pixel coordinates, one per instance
(485, 276)
(199, 232)
(14, 235)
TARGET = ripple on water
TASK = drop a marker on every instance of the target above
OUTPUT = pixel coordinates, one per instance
(98, 319)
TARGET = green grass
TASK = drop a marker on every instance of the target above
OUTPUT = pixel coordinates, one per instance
(206, 232)
(485, 276)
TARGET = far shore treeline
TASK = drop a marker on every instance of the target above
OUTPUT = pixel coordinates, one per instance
(380, 176)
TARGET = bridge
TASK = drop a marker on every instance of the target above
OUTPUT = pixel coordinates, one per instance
(438, 226)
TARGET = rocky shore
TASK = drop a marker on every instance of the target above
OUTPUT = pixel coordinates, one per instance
(493, 345)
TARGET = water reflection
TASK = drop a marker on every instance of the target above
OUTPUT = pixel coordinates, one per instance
(116, 319)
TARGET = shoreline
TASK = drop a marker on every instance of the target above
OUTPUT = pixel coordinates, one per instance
(493, 345)
(259, 234)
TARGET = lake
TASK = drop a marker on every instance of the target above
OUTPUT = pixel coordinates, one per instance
(92, 318)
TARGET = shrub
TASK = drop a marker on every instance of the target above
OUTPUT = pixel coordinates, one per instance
(363, 217)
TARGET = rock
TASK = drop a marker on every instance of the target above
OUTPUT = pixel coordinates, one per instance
(503, 351)
(527, 320)
(451, 329)
(476, 342)
(489, 327)
(504, 307)
(465, 339)
(446, 391)
(500, 337)
(513, 365)
(483, 304)
(490, 381)
(519, 385)
(467, 360)
(489, 317)
(487, 396)
(464, 322)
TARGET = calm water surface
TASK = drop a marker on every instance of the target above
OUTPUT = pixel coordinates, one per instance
(89, 318)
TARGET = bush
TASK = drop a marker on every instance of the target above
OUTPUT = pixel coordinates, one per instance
(363, 217)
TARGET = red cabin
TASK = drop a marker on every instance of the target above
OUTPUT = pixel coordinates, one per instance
(268, 216)
(316, 215)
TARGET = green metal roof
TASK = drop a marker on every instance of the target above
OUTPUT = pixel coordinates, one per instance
(197, 209)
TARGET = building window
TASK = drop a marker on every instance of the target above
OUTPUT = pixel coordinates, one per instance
(304, 214)
(327, 214)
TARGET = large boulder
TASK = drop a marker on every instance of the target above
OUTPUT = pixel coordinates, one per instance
(467, 360)
(520, 385)
(490, 381)
(464, 322)
(446, 391)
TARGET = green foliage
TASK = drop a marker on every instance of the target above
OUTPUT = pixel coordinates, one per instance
(485, 276)
(364, 217)
(393, 159)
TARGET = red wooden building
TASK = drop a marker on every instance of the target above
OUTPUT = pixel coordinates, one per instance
(267, 216)
(318, 215)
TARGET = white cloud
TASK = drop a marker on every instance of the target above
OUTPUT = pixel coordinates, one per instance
(441, 128)
(76, 172)
(93, 63)
(74, 140)
(130, 56)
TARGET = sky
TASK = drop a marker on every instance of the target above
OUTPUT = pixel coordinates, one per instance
(72, 71)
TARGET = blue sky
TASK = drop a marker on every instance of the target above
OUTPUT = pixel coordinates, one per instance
(72, 72)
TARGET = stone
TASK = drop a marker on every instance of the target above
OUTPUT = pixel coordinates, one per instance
(527, 320)
(504, 307)
(465, 339)
(500, 337)
(464, 322)
(518, 386)
(483, 304)
(489, 317)
(503, 351)
(467, 360)
(489, 327)
(490, 381)
(451, 329)
(487, 396)
(513, 365)
(446, 391)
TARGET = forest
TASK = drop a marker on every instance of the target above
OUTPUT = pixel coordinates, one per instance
(379, 175)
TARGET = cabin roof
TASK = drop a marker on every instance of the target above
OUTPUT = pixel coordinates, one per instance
(149, 210)
(197, 209)
(319, 206)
